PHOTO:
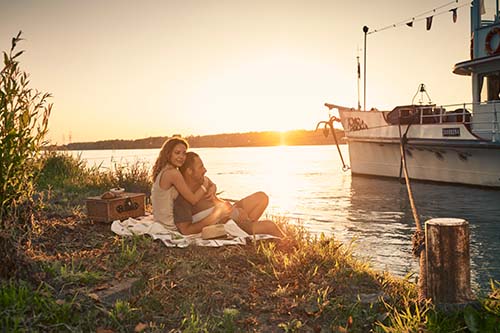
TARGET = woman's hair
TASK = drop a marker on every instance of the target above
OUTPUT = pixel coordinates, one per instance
(165, 154)
(188, 163)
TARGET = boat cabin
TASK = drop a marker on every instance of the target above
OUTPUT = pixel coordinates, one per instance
(484, 68)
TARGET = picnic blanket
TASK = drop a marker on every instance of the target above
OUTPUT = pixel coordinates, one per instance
(172, 238)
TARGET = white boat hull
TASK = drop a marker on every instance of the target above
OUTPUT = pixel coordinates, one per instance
(440, 152)
(441, 164)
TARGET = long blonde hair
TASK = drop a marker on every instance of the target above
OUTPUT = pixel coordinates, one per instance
(165, 154)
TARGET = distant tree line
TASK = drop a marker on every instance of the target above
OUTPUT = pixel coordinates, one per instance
(249, 139)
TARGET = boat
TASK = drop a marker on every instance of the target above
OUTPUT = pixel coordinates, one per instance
(457, 144)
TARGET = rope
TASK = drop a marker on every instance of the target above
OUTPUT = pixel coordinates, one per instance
(418, 237)
(403, 140)
(418, 241)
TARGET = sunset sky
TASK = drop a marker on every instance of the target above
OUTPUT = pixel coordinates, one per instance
(134, 69)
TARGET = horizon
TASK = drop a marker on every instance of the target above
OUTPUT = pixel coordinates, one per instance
(132, 70)
(187, 137)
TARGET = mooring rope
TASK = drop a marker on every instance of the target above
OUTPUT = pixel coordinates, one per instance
(403, 140)
(418, 238)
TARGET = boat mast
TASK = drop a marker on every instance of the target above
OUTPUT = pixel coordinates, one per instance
(358, 79)
(365, 30)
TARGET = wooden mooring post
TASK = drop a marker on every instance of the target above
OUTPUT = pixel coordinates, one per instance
(448, 261)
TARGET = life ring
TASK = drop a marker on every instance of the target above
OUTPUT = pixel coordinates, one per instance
(487, 41)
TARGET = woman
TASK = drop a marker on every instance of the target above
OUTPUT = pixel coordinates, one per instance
(168, 181)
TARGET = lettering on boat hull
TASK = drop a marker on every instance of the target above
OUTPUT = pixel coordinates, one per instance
(356, 124)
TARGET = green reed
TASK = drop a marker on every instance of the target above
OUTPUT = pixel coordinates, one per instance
(24, 116)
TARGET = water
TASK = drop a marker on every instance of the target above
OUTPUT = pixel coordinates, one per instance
(307, 185)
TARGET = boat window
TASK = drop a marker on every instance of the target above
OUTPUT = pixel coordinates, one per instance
(490, 90)
(489, 12)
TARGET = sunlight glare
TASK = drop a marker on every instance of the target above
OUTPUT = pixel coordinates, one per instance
(282, 185)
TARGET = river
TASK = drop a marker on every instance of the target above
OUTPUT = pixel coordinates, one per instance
(307, 185)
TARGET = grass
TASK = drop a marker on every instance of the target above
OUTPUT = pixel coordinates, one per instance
(128, 254)
(299, 284)
(27, 309)
(64, 181)
(73, 273)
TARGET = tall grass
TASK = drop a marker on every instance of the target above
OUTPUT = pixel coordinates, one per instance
(24, 115)
(23, 124)
(65, 181)
(63, 171)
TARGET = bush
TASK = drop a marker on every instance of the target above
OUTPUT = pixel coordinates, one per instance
(134, 177)
(58, 170)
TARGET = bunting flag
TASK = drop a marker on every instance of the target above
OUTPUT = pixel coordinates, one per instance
(429, 22)
(454, 13)
(451, 6)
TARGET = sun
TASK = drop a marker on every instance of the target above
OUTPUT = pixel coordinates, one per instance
(282, 135)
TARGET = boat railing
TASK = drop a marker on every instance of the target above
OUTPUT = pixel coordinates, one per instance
(453, 113)
(481, 118)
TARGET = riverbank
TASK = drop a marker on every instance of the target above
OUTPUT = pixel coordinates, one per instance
(84, 278)
(92, 280)
(297, 283)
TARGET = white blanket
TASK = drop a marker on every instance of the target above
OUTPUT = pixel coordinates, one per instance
(172, 238)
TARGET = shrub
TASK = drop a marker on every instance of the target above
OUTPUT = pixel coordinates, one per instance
(58, 170)
(134, 177)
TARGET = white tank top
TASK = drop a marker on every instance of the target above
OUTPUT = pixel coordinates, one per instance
(163, 202)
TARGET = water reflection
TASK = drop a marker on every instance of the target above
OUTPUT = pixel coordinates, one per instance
(380, 217)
